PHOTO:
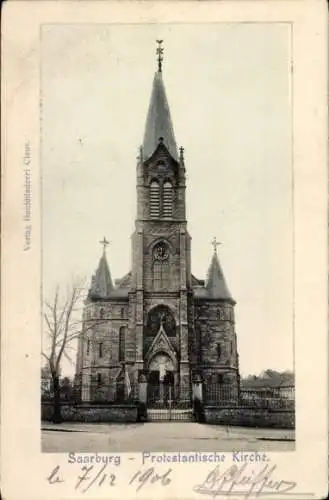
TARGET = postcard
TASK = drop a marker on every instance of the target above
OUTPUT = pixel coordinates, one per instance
(164, 271)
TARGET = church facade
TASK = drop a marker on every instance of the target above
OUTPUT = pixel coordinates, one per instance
(158, 320)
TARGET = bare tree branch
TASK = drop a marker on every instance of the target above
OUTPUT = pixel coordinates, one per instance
(45, 356)
(72, 301)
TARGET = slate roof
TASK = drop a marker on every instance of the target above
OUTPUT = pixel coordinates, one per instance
(101, 282)
(158, 122)
(216, 284)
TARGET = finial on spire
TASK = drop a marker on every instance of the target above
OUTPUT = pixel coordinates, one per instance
(215, 244)
(104, 242)
(159, 52)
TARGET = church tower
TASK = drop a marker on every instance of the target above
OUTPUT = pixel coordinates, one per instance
(161, 299)
(158, 320)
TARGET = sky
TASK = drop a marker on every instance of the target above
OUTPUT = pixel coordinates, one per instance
(228, 87)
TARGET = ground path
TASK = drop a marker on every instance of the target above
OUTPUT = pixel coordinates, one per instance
(162, 436)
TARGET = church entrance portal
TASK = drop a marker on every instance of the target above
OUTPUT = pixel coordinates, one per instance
(163, 391)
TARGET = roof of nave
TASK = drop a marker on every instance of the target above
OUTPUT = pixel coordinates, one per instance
(159, 126)
(124, 281)
(197, 281)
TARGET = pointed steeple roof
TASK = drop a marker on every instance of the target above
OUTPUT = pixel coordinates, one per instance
(159, 126)
(101, 283)
(216, 284)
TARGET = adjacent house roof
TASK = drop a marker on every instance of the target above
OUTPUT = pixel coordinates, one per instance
(159, 126)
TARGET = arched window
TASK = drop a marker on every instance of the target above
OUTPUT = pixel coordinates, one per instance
(219, 351)
(99, 379)
(154, 199)
(167, 206)
(122, 312)
(122, 341)
(100, 350)
(160, 275)
(167, 199)
(161, 268)
(101, 312)
(88, 347)
(160, 316)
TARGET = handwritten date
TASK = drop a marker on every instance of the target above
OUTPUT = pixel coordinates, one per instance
(150, 476)
(87, 477)
(91, 476)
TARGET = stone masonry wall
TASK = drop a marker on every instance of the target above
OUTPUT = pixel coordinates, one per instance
(216, 331)
(92, 413)
(250, 417)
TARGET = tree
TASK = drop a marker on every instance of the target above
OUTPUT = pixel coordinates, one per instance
(268, 378)
(62, 327)
(66, 388)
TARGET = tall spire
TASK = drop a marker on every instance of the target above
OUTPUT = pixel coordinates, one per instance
(101, 285)
(216, 284)
(159, 128)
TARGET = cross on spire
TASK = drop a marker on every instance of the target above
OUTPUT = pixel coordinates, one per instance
(215, 244)
(105, 243)
(159, 52)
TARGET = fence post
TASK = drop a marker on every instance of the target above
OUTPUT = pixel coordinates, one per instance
(142, 398)
(197, 397)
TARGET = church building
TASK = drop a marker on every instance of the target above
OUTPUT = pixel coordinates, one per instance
(159, 320)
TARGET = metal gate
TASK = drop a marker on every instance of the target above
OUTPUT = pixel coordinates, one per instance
(164, 405)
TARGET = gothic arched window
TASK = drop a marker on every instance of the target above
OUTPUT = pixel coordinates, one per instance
(100, 350)
(219, 351)
(161, 269)
(160, 316)
(154, 199)
(167, 199)
(88, 347)
(122, 340)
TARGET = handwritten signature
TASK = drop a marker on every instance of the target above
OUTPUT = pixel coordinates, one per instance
(97, 476)
(241, 481)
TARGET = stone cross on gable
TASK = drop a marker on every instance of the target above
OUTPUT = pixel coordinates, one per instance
(162, 317)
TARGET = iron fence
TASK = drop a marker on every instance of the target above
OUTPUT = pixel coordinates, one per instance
(215, 394)
(95, 392)
(168, 396)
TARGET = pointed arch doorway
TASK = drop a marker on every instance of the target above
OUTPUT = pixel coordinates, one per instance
(161, 380)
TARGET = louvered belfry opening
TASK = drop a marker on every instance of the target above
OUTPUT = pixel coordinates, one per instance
(167, 199)
(154, 199)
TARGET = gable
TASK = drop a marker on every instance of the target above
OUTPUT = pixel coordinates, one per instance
(161, 343)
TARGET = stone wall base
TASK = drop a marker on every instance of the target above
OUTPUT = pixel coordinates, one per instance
(92, 413)
(250, 417)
